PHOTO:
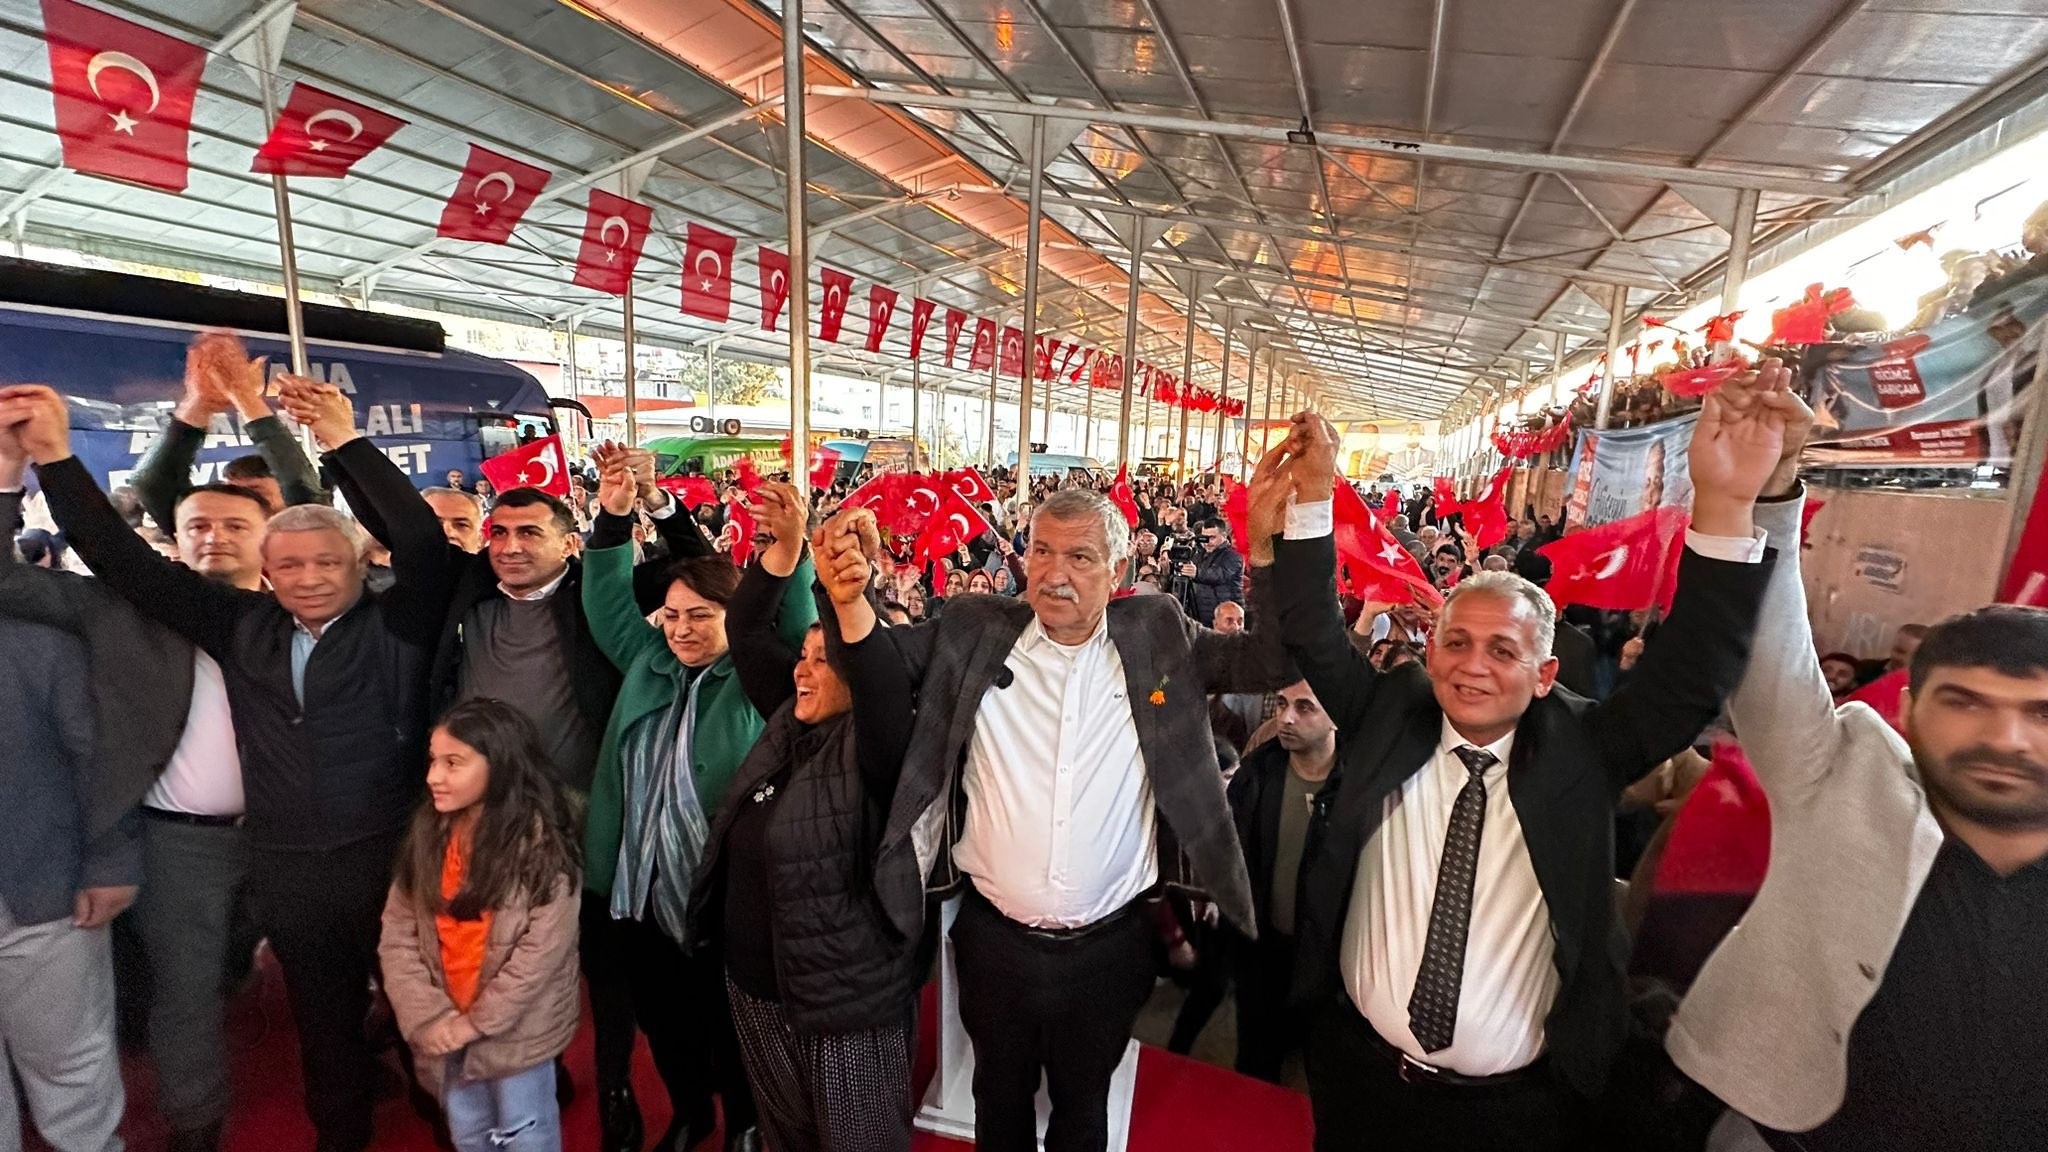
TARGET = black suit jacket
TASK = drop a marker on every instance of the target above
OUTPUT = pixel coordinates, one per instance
(955, 659)
(1571, 760)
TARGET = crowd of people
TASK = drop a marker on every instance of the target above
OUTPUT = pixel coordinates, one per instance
(475, 753)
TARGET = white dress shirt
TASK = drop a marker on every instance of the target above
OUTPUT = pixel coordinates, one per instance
(1061, 830)
(204, 775)
(1510, 976)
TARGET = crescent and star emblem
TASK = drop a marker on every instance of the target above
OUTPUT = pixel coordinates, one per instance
(604, 236)
(778, 283)
(1392, 553)
(123, 61)
(1609, 564)
(345, 119)
(484, 203)
(706, 279)
(835, 294)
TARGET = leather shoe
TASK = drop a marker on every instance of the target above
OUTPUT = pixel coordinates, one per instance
(206, 1139)
(620, 1125)
(744, 1140)
(682, 1137)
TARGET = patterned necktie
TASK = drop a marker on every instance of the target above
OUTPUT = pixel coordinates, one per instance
(1433, 1009)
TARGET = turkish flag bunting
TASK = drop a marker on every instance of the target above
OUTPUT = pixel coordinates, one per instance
(774, 284)
(1371, 564)
(1622, 565)
(491, 196)
(838, 289)
(1120, 494)
(1042, 352)
(920, 319)
(984, 351)
(881, 309)
(1012, 352)
(123, 93)
(955, 320)
(707, 274)
(1805, 321)
(614, 231)
(536, 465)
(1081, 365)
(321, 134)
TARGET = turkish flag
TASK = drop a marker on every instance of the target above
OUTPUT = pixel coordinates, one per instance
(952, 522)
(1066, 358)
(1444, 496)
(774, 284)
(707, 274)
(824, 463)
(614, 231)
(693, 492)
(1884, 695)
(740, 523)
(492, 195)
(1621, 566)
(1042, 352)
(1371, 564)
(969, 485)
(838, 287)
(920, 319)
(123, 94)
(1486, 518)
(1120, 494)
(984, 353)
(955, 320)
(881, 310)
(536, 465)
(1392, 505)
(1012, 352)
(321, 134)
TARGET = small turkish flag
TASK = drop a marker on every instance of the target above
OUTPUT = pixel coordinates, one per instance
(838, 286)
(740, 522)
(1486, 518)
(321, 134)
(1620, 566)
(614, 231)
(984, 353)
(969, 485)
(489, 200)
(707, 274)
(955, 320)
(536, 465)
(123, 94)
(881, 310)
(1120, 494)
(1371, 564)
(920, 319)
(1013, 352)
(692, 491)
(1391, 507)
(774, 284)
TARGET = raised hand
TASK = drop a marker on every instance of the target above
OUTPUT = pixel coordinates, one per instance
(320, 407)
(780, 509)
(238, 380)
(1313, 445)
(40, 419)
(1273, 481)
(615, 488)
(1736, 445)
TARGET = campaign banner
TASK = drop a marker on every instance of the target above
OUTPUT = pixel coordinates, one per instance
(1622, 472)
(1951, 395)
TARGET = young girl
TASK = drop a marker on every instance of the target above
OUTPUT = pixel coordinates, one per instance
(479, 943)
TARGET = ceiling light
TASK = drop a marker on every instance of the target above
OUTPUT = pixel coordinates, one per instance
(1303, 134)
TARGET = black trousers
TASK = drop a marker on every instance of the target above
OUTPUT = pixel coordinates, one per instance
(1269, 1026)
(322, 912)
(1361, 1101)
(1063, 1008)
(680, 1002)
(600, 953)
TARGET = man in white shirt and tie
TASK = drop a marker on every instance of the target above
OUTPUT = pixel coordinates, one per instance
(1459, 951)
(1066, 738)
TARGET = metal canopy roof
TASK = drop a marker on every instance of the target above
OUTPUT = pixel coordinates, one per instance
(1485, 172)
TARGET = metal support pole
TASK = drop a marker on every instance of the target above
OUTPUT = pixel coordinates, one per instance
(710, 383)
(281, 199)
(916, 428)
(1738, 249)
(1123, 412)
(1223, 392)
(1187, 372)
(1617, 305)
(1035, 213)
(1251, 383)
(632, 392)
(1266, 419)
(988, 409)
(799, 236)
(1088, 437)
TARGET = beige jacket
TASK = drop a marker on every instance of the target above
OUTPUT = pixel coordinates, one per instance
(527, 1003)
(1766, 1026)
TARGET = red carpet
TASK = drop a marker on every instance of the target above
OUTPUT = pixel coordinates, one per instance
(1182, 1105)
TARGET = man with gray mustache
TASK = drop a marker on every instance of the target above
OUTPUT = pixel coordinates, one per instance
(1060, 771)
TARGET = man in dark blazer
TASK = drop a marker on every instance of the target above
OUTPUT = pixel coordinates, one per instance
(1458, 943)
(1065, 737)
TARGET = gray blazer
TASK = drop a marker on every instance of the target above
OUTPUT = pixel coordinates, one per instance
(1766, 1026)
(955, 660)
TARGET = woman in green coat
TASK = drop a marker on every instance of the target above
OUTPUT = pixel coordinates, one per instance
(677, 735)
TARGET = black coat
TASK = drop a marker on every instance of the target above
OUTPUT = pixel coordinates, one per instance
(1219, 576)
(348, 764)
(1570, 762)
(1255, 794)
(954, 661)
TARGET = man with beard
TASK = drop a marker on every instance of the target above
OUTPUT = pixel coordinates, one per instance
(1884, 991)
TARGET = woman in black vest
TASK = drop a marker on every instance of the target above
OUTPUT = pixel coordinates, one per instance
(822, 987)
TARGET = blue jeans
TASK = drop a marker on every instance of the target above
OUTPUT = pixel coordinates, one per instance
(515, 1112)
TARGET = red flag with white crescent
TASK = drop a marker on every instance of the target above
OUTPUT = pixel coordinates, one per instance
(881, 310)
(1120, 494)
(123, 93)
(1622, 565)
(614, 231)
(774, 284)
(984, 352)
(1066, 357)
(838, 288)
(1012, 352)
(536, 465)
(920, 319)
(490, 197)
(321, 134)
(1371, 564)
(707, 274)
(955, 321)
